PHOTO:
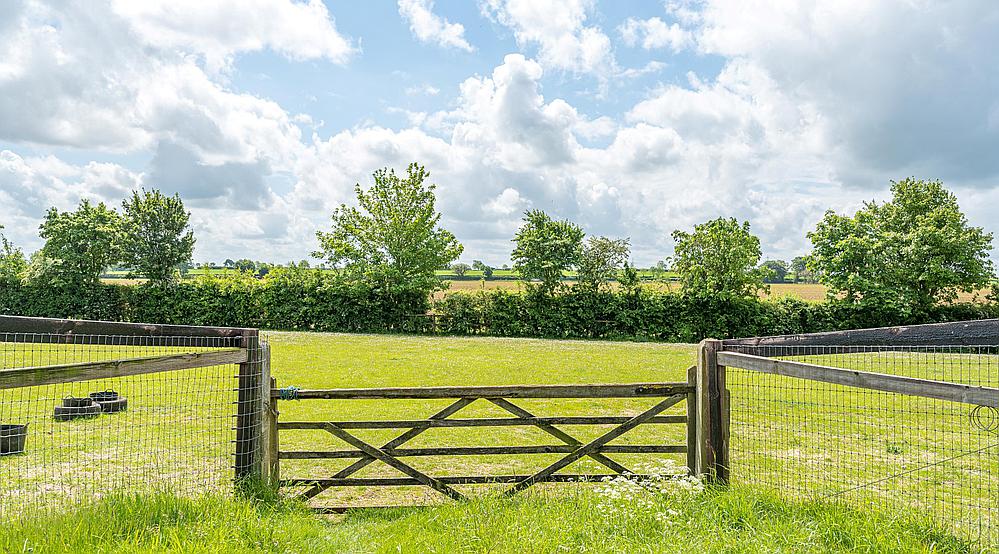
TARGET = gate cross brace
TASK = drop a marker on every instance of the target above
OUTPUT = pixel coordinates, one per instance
(595, 444)
(557, 433)
(393, 461)
(396, 442)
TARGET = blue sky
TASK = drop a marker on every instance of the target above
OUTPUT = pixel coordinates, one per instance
(632, 118)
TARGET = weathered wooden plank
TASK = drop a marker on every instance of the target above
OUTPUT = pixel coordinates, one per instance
(403, 467)
(452, 480)
(398, 441)
(983, 332)
(557, 433)
(940, 390)
(481, 451)
(511, 391)
(595, 444)
(42, 329)
(477, 422)
(85, 371)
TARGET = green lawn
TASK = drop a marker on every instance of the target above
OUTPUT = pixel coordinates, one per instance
(736, 520)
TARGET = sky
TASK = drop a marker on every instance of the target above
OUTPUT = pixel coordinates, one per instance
(631, 118)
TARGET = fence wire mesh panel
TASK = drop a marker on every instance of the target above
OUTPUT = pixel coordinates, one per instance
(125, 414)
(818, 440)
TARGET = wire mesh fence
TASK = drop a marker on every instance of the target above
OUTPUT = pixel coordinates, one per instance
(160, 429)
(817, 440)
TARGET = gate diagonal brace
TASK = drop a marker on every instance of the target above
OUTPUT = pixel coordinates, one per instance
(396, 442)
(557, 433)
(595, 444)
(393, 461)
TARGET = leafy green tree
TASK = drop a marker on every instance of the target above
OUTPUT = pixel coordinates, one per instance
(157, 235)
(460, 269)
(778, 270)
(909, 253)
(799, 266)
(13, 266)
(394, 235)
(487, 272)
(720, 257)
(79, 245)
(601, 261)
(546, 248)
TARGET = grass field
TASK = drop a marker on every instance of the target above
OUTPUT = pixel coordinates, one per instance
(801, 440)
(735, 520)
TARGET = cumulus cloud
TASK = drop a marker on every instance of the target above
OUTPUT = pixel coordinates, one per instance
(559, 31)
(218, 30)
(430, 27)
(655, 33)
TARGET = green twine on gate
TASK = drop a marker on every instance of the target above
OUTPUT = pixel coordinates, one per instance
(288, 393)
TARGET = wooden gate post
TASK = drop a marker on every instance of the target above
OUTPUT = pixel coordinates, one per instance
(712, 414)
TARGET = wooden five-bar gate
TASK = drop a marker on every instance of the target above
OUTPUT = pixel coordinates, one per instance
(572, 449)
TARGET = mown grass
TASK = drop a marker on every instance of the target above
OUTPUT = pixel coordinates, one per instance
(732, 520)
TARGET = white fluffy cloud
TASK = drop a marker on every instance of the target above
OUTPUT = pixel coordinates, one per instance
(558, 29)
(655, 33)
(430, 27)
(222, 28)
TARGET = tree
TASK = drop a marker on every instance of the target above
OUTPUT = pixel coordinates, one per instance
(157, 235)
(394, 236)
(778, 270)
(601, 261)
(80, 245)
(460, 269)
(13, 266)
(229, 263)
(799, 266)
(546, 248)
(909, 253)
(719, 257)
(487, 272)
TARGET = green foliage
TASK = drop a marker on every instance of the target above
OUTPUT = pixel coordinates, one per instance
(546, 248)
(157, 235)
(460, 269)
(778, 270)
(393, 238)
(13, 266)
(719, 257)
(799, 266)
(601, 260)
(908, 254)
(79, 245)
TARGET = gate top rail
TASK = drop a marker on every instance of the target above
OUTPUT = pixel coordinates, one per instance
(633, 390)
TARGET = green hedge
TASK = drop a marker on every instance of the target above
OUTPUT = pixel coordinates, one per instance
(291, 299)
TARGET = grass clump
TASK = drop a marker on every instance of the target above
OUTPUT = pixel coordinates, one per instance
(586, 520)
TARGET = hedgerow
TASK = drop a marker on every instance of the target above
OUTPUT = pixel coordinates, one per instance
(289, 299)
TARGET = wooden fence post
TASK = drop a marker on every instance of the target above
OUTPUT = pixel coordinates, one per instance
(692, 420)
(248, 409)
(712, 414)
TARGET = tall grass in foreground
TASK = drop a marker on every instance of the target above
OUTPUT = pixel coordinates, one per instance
(728, 520)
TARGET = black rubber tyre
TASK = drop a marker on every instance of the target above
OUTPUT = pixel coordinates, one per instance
(77, 401)
(104, 396)
(113, 406)
(66, 413)
(12, 438)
